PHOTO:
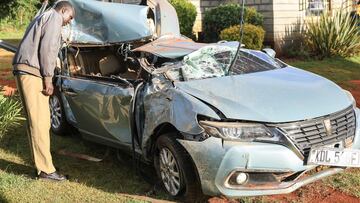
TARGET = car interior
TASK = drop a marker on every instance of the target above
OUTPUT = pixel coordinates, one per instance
(101, 63)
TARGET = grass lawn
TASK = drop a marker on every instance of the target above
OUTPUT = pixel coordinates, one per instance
(108, 181)
(11, 34)
(116, 181)
(339, 70)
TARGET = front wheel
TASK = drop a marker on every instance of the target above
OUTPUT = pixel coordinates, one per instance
(175, 169)
(59, 124)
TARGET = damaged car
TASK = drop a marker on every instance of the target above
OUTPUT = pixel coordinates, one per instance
(211, 118)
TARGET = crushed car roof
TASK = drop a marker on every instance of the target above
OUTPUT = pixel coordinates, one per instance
(103, 22)
(100, 23)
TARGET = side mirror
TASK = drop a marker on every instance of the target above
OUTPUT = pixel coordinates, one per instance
(270, 52)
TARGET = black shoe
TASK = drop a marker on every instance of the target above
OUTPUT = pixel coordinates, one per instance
(51, 176)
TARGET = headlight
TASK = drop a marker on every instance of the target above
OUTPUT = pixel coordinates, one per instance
(350, 97)
(238, 131)
(248, 132)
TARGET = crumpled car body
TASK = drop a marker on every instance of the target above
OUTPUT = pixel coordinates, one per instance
(249, 125)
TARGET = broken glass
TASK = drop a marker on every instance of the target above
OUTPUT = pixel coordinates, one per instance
(215, 60)
(209, 61)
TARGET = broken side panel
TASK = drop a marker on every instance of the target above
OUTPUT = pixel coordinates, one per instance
(99, 22)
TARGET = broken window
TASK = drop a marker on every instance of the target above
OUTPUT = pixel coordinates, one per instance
(215, 61)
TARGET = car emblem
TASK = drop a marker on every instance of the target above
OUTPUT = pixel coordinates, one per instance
(328, 128)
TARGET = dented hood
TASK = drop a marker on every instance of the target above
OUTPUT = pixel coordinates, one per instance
(282, 95)
(171, 47)
(99, 23)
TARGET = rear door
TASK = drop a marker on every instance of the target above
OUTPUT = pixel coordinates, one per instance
(101, 107)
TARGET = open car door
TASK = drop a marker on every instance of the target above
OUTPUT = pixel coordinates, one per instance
(8, 46)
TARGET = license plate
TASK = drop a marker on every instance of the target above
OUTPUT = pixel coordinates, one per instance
(335, 157)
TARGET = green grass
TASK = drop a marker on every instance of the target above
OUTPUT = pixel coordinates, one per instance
(347, 182)
(11, 34)
(339, 70)
(106, 181)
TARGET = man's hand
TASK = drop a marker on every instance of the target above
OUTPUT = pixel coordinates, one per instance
(48, 88)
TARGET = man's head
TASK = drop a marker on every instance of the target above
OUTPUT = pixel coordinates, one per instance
(66, 10)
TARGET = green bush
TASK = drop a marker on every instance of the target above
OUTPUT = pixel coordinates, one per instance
(17, 14)
(226, 15)
(333, 35)
(10, 114)
(186, 12)
(253, 37)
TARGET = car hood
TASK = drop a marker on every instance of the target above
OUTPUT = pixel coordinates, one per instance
(276, 96)
(171, 47)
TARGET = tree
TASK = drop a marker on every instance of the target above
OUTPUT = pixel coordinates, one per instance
(17, 13)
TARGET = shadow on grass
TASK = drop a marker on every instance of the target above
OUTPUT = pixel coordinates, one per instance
(110, 175)
(3, 199)
(17, 169)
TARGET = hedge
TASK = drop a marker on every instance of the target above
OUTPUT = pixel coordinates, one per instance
(226, 15)
(253, 37)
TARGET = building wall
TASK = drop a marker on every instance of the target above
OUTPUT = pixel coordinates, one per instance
(288, 21)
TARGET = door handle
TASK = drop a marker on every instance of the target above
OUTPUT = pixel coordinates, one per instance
(69, 91)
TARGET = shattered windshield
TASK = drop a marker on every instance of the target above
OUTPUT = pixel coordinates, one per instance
(215, 60)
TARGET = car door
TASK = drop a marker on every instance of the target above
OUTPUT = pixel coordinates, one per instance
(100, 106)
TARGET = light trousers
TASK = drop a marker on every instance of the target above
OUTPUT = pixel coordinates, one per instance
(36, 106)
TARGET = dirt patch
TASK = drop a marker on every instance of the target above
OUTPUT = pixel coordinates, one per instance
(221, 200)
(9, 83)
(355, 90)
(4, 53)
(6, 78)
(315, 193)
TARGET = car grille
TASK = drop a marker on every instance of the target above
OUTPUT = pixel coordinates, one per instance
(312, 133)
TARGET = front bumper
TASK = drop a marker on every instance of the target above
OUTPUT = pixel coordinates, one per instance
(215, 160)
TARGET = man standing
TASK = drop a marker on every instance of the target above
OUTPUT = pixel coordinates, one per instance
(34, 65)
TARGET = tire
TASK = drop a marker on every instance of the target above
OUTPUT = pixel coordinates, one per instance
(178, 162)
(59, 124)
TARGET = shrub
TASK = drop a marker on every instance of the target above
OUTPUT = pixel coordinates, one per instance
(253, 37)
(226, 15)
(333, 35)
(186, 12)
(10, 114)
(17, 13)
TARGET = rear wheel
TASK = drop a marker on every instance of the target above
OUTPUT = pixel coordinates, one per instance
(175, 169)
(59, 124)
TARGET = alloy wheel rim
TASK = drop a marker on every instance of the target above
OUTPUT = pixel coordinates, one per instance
(169, 171)
(55, 112)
